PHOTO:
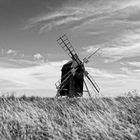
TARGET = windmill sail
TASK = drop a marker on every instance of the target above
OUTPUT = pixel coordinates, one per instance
(63, 81)
(87, 89)
(92, 81)
(64, 42)
(61, 84)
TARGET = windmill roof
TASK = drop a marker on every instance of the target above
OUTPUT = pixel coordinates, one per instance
(67, 65)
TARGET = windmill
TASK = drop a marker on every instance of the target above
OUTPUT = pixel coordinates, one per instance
(73, 73)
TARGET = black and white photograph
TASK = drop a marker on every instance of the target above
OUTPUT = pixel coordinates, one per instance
(69, 69)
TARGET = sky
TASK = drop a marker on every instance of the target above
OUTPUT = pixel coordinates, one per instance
(31, 60)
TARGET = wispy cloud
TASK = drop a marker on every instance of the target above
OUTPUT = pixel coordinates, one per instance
(58, 18)
(124, 46)
(45, 75)
(71, 16)
(12, 52)
(104, 74)
(40, 77)
(112, 84)
(134, 63)
(13, 57)
(38, 57)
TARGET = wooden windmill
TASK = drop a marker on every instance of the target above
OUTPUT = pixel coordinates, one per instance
(73, 73)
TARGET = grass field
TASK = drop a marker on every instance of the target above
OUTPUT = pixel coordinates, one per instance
(34, 118)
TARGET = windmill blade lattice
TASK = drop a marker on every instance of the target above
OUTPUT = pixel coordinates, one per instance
(63, 80)
(64, 42)
(61, 85)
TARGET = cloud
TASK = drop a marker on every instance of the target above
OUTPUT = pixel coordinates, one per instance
(6, 62)
(38, 56)
(56, 19)
(74, 14)
(104, 74)
(114, 84)
(126, 70)
(134, 63)
(12, 52)
(21, 63)
(131, 72)
(19, 57)
(44, 76)
(130, 13)
(124, 46)
(36, 77)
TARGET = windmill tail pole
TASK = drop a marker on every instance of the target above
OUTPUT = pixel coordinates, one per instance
(86, 59)
(93, 53)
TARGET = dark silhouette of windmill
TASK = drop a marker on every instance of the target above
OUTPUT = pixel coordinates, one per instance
(74, 73)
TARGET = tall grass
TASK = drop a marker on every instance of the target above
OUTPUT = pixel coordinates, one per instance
(35, 118)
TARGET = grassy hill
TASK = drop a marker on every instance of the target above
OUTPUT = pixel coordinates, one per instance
(35, 118)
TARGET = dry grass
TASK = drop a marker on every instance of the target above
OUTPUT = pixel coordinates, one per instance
(37, 118)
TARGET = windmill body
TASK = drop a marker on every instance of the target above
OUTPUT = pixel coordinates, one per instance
(73, 86)
(73, 73)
